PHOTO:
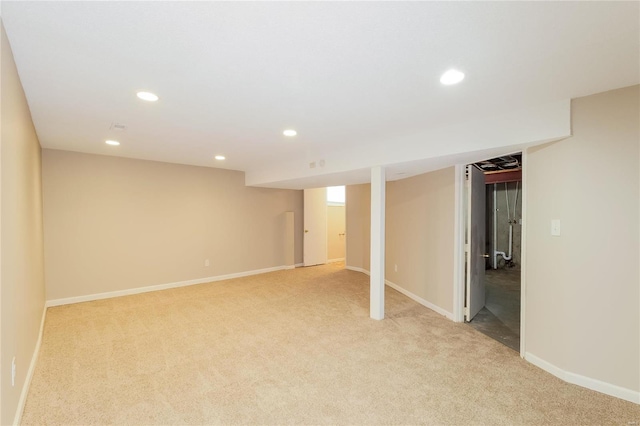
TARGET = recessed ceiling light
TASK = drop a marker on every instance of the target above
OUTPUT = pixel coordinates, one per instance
(220, 157)
(147, 96)
(452, 77)
(289, 132)
(113, 143)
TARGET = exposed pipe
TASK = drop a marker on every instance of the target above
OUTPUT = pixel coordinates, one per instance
(515, 202)
(495, 226)
(501, 253)
(506, 197)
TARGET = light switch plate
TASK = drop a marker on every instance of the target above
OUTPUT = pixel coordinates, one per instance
(555, 227)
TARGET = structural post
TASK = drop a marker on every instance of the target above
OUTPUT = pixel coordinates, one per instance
(378, 186)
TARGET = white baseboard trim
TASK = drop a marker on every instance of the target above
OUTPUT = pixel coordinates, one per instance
(583, 381)
(356, 269)
(138, 290)
(32, 367)
(297, 265)
(338, 259)
(407, 293)
(420, 300)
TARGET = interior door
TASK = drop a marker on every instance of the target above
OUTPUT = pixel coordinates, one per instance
(476, 204)
(315, 227)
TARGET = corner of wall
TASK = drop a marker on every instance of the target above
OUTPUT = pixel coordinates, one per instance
(22, 276)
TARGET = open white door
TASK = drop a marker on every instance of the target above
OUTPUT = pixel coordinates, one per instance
(315, 226)
(476, 205)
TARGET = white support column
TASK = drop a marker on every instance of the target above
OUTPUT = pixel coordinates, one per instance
(378, 186)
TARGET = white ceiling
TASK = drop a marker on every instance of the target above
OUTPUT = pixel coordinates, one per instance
(348, 76)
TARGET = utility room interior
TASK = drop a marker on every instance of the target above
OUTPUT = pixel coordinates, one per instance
(500, 317)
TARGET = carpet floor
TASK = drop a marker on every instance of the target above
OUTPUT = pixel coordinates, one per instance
(289, 347)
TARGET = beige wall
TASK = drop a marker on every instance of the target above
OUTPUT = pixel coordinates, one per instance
(419, 234)
(582, 288)
(420, 213)
(358, 219)
(22, 278)
(336, 225)
(115, 223)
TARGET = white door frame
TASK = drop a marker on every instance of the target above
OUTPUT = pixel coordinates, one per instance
(459, 251)
(523, 250)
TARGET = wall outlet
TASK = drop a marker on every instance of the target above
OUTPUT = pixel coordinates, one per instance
(13, 371)
(555, 227)
(395, 268)
(206, 262)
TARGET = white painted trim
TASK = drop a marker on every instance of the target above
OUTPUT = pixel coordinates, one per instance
(356, 269)
(377, 243)
(583, 381)
(138, 290)
(458, 246)
(338, 259)
(32, 367)
(407, 293)
(297, 265)
(420, 300)
(523, 256)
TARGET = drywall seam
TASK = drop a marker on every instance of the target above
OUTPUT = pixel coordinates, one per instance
(407, 293)
(32, 367)
(138, 290)
(583, 381)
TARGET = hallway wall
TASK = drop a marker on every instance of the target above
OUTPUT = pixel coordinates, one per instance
(420, 213)
(420, 236)
(22, 279)
(358, 220)
(336, 225)
(582, 287)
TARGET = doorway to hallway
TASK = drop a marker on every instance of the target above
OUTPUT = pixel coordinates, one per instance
(324, 225)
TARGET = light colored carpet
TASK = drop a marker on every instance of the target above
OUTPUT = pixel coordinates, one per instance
(289, 347)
